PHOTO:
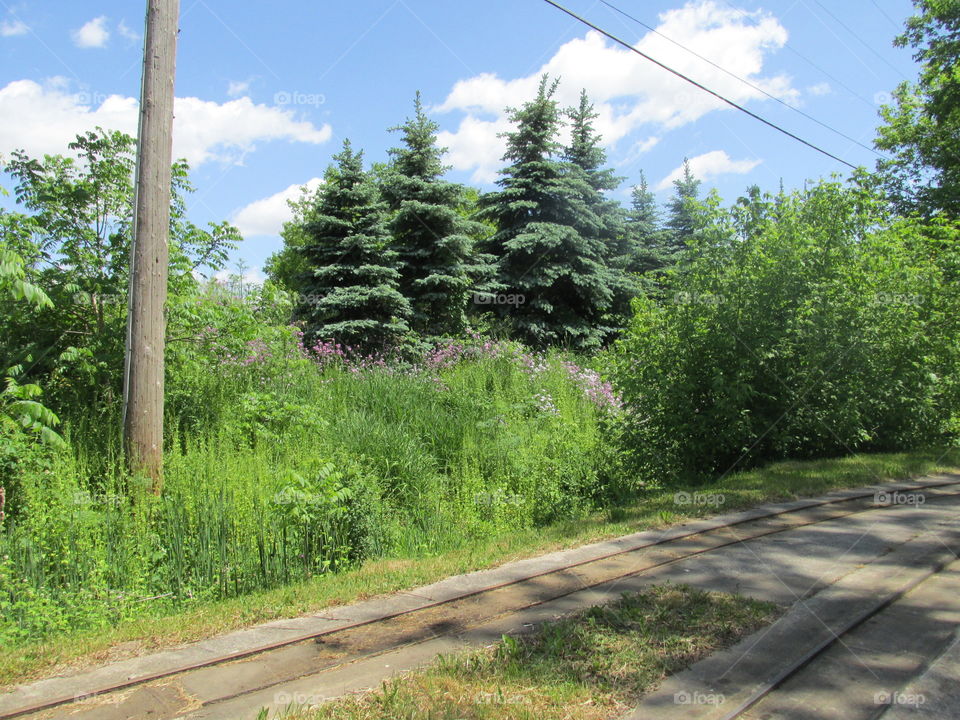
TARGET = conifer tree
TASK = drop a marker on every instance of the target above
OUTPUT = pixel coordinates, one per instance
(434, 241)
(350, 290)
(547, 243)
(651, 242)
(586, 154)
(680, 219)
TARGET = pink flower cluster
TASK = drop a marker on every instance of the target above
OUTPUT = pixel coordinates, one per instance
(329, 352)
(256, 352)
(450, 353)
(600, 392)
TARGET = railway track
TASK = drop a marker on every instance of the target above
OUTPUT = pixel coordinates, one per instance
(847, 653)
(249, 672)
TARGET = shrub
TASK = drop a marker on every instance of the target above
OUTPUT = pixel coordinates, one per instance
(796, 326)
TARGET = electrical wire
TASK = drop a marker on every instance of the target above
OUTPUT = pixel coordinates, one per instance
(812, 64)
(693, 82)
(743, 80)
(859, 39)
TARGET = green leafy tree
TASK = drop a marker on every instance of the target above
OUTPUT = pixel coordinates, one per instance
(287, 267)
(805, 325)
(74, 236)
(547, 240)
(921, 127)
(19, 406)
(433, 239)
(350, 292)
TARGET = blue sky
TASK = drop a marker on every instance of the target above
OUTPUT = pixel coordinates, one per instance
(267, 92)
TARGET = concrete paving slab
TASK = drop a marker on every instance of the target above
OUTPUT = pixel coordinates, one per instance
(934, 695)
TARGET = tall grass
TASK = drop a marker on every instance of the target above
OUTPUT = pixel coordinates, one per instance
(282, 465)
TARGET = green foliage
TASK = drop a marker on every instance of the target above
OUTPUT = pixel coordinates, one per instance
(279, 468)
(649, 249)
(681, 219)
(547, 240)
(19, 409)
(806, 325)
(350, 290)
(288, 268)
(587, 158)
(434, 241)
(922, 126)
(74, 239)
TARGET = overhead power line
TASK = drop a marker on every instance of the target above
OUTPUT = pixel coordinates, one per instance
(737, 77)
(860, 40)
(693, 82)
(811, 63)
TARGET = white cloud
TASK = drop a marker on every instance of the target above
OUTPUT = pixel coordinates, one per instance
(236, 88)
(93, 34)
(127, 33)
(475, 145)
(11, 28)
(820, 89)
(709, 165)
(628, 92)
(267, 215)
(44, 118)
(206, 130)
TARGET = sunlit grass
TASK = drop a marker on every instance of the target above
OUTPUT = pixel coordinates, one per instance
(590, 666)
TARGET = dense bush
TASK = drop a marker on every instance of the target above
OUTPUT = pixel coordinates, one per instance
(795, 326)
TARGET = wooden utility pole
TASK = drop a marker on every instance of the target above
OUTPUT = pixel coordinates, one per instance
(146, 317)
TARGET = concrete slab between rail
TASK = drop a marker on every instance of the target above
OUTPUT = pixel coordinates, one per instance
(935, 694)
(724, 684)
(251, 640)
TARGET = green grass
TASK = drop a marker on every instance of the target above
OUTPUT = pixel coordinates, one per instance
(590, 666)
(779, 481)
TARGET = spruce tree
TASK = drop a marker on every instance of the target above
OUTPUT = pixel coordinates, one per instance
(587, 156)
(651, 246)
(438, 265)
(680, 220)
(350, 290)
(547, 242)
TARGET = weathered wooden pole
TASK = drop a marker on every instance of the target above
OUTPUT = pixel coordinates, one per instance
(146, 318)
